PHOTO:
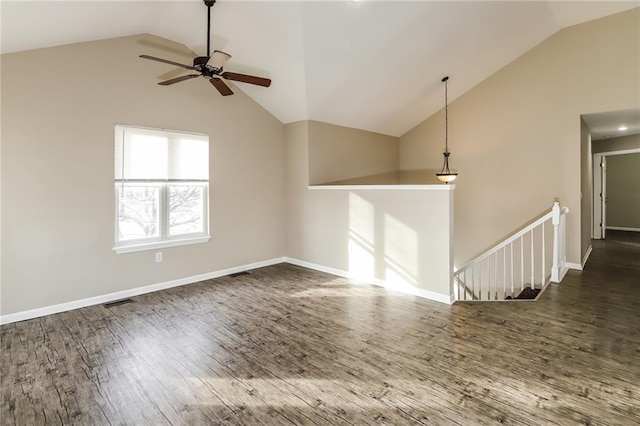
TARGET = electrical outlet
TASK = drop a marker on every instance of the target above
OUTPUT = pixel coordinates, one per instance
(159, 256)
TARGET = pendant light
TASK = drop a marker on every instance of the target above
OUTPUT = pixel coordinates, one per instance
(446, 175)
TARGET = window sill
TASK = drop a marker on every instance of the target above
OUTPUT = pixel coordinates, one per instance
(160, 244)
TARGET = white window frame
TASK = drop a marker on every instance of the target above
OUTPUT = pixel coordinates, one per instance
(164, 238)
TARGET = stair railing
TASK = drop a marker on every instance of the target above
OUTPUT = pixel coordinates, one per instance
(533, 256)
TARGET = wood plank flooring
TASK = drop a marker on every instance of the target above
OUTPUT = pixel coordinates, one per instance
(287, 345)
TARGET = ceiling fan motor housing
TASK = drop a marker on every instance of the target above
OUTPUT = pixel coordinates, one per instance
(200, 65)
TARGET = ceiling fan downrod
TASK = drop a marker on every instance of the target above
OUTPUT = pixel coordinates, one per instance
(209, 3)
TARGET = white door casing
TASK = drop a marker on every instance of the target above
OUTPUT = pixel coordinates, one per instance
(598, 189)
(599, 198)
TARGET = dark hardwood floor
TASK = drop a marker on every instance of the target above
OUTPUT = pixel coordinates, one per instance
(287, 345)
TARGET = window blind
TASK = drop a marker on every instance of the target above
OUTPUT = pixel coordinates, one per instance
(160, 155)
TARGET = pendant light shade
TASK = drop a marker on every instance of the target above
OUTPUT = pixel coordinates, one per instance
(446, 175)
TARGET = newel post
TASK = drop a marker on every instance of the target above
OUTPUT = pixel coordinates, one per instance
(555, 220)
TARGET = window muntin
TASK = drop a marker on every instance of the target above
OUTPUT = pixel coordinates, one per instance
(161, 187)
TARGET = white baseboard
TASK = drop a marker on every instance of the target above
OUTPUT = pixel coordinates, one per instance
(317, 267)
(579, 266)
(563, 271)
(110, 297)
(622, 228)
(586, 257)
(426, 294)
(574, 266)
(96, 300)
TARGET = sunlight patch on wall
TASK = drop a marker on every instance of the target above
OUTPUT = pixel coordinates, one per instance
(401, 254)
(362, 262)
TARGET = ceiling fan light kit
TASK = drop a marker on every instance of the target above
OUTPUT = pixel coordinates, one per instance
(446, 175)
(211, 66)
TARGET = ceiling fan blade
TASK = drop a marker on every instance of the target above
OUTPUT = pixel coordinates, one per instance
(218, 59)
(178, 79)
(153, 58)
(221, 86)
(247, 79)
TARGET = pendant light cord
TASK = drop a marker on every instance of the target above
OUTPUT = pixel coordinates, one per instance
(446, 115)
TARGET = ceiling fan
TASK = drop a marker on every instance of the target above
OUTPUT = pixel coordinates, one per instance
(211, 66)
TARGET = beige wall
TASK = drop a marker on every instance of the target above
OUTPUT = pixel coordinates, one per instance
(616, 144)
(515, 137)
(59, 107)
(337, 153)
(399, 237)
(586, 188)
(623, 191)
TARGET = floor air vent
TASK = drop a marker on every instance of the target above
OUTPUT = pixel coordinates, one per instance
(117, 303)
(238, 274)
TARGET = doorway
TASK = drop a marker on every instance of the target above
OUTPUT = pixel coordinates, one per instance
(600, 197)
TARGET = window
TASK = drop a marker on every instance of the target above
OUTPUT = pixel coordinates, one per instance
(161, 188)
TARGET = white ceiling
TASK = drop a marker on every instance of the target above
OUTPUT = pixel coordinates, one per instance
(373, 65)
(605, 125)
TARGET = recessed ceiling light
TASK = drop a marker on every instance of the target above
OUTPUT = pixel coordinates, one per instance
(622, 128)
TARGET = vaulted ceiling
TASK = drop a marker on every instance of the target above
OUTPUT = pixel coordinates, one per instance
(373, 65)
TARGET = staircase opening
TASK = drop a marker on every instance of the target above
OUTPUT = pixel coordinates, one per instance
(521, 266)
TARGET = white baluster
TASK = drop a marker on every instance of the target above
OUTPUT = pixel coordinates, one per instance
(504, 272)
(544, 271)
(473, 282)
(495, 273)
(555, 265)
(480, 280)
(466, 284)
(521, 263)
(488, 277)
(511, 269)
(533, 270)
